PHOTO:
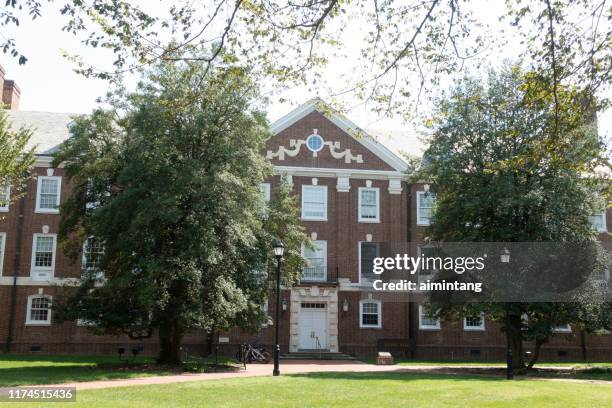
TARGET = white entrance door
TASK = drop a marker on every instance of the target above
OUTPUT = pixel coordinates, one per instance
(313, 326)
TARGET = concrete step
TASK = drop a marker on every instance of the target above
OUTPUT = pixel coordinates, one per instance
(314, 355)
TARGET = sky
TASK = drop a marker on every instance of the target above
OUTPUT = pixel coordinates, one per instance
(48, 82)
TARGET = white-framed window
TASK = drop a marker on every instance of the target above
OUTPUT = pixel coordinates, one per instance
(93, 251)
(563, 328)
(427, 321)
(431, 264)
(43, 256)
(369, 204)
(601, 278)
(370, 313)
(48, 194)
(474, 323)
(5, 196)
(265, 191)
(264, 309)
(315, 143)
(85, 323)
(39, 310)
(2, 246)
(425, 202)
(367, 252)
(314, 203)
(316, 271)
(598, 221)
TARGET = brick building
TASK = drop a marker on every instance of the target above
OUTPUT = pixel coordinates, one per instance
(354, 196)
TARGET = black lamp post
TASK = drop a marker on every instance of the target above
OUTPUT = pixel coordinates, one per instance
(279, 249)
(504, 257)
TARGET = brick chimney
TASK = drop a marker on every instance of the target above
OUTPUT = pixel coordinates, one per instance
(10, 94)
(2, 72)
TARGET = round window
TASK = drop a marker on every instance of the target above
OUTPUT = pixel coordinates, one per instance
(314, 142)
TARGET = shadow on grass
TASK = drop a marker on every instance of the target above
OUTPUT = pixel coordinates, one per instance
(41, 369)
(394, 376)
(63, 374)
(70, 359)
(462, 374)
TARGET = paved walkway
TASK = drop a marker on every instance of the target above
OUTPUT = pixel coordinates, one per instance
(296, 367)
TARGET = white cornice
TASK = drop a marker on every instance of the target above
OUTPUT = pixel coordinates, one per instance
(44, 161)
(28, 281)
(343, 123)
(331, 172)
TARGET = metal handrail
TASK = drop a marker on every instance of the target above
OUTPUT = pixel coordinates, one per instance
(318, 343)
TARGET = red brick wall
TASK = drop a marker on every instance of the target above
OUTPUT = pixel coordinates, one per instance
(330, 133)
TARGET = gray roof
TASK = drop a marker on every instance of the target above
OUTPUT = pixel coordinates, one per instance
(400, 142)
(49, 129)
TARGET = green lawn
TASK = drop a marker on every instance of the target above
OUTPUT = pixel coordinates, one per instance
(39, 369)
(576, 364)
(352, 390)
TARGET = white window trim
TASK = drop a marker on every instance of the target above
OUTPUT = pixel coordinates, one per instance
(265, 189)
(5, 208)
(99, 274)
(38, 322)
(604, 216)
(566, 328)
(423, 277)
(359, 218)
(418, 208)
(475, 328)
(321, 244)
(51, 269)
(324, 218)
(359, 258)
(308, 142)
(426, 327)
(38, 190)
(379, 309)
(2, 247)
(264, 308)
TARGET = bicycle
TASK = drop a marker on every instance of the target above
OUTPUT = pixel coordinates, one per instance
(249, 353)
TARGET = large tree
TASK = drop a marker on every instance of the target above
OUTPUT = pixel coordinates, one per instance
(405, 47)
(16, 160)
(507, 164)
(168, 181)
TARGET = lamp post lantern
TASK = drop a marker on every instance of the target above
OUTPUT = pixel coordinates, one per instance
(504, 257)
(279, 250)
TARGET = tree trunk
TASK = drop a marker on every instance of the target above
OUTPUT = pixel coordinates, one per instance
(170, 340)
(210, 336)
(515, 338)
(536, 351)
(583, 346)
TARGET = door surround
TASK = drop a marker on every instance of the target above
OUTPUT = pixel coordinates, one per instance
(314, 294)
